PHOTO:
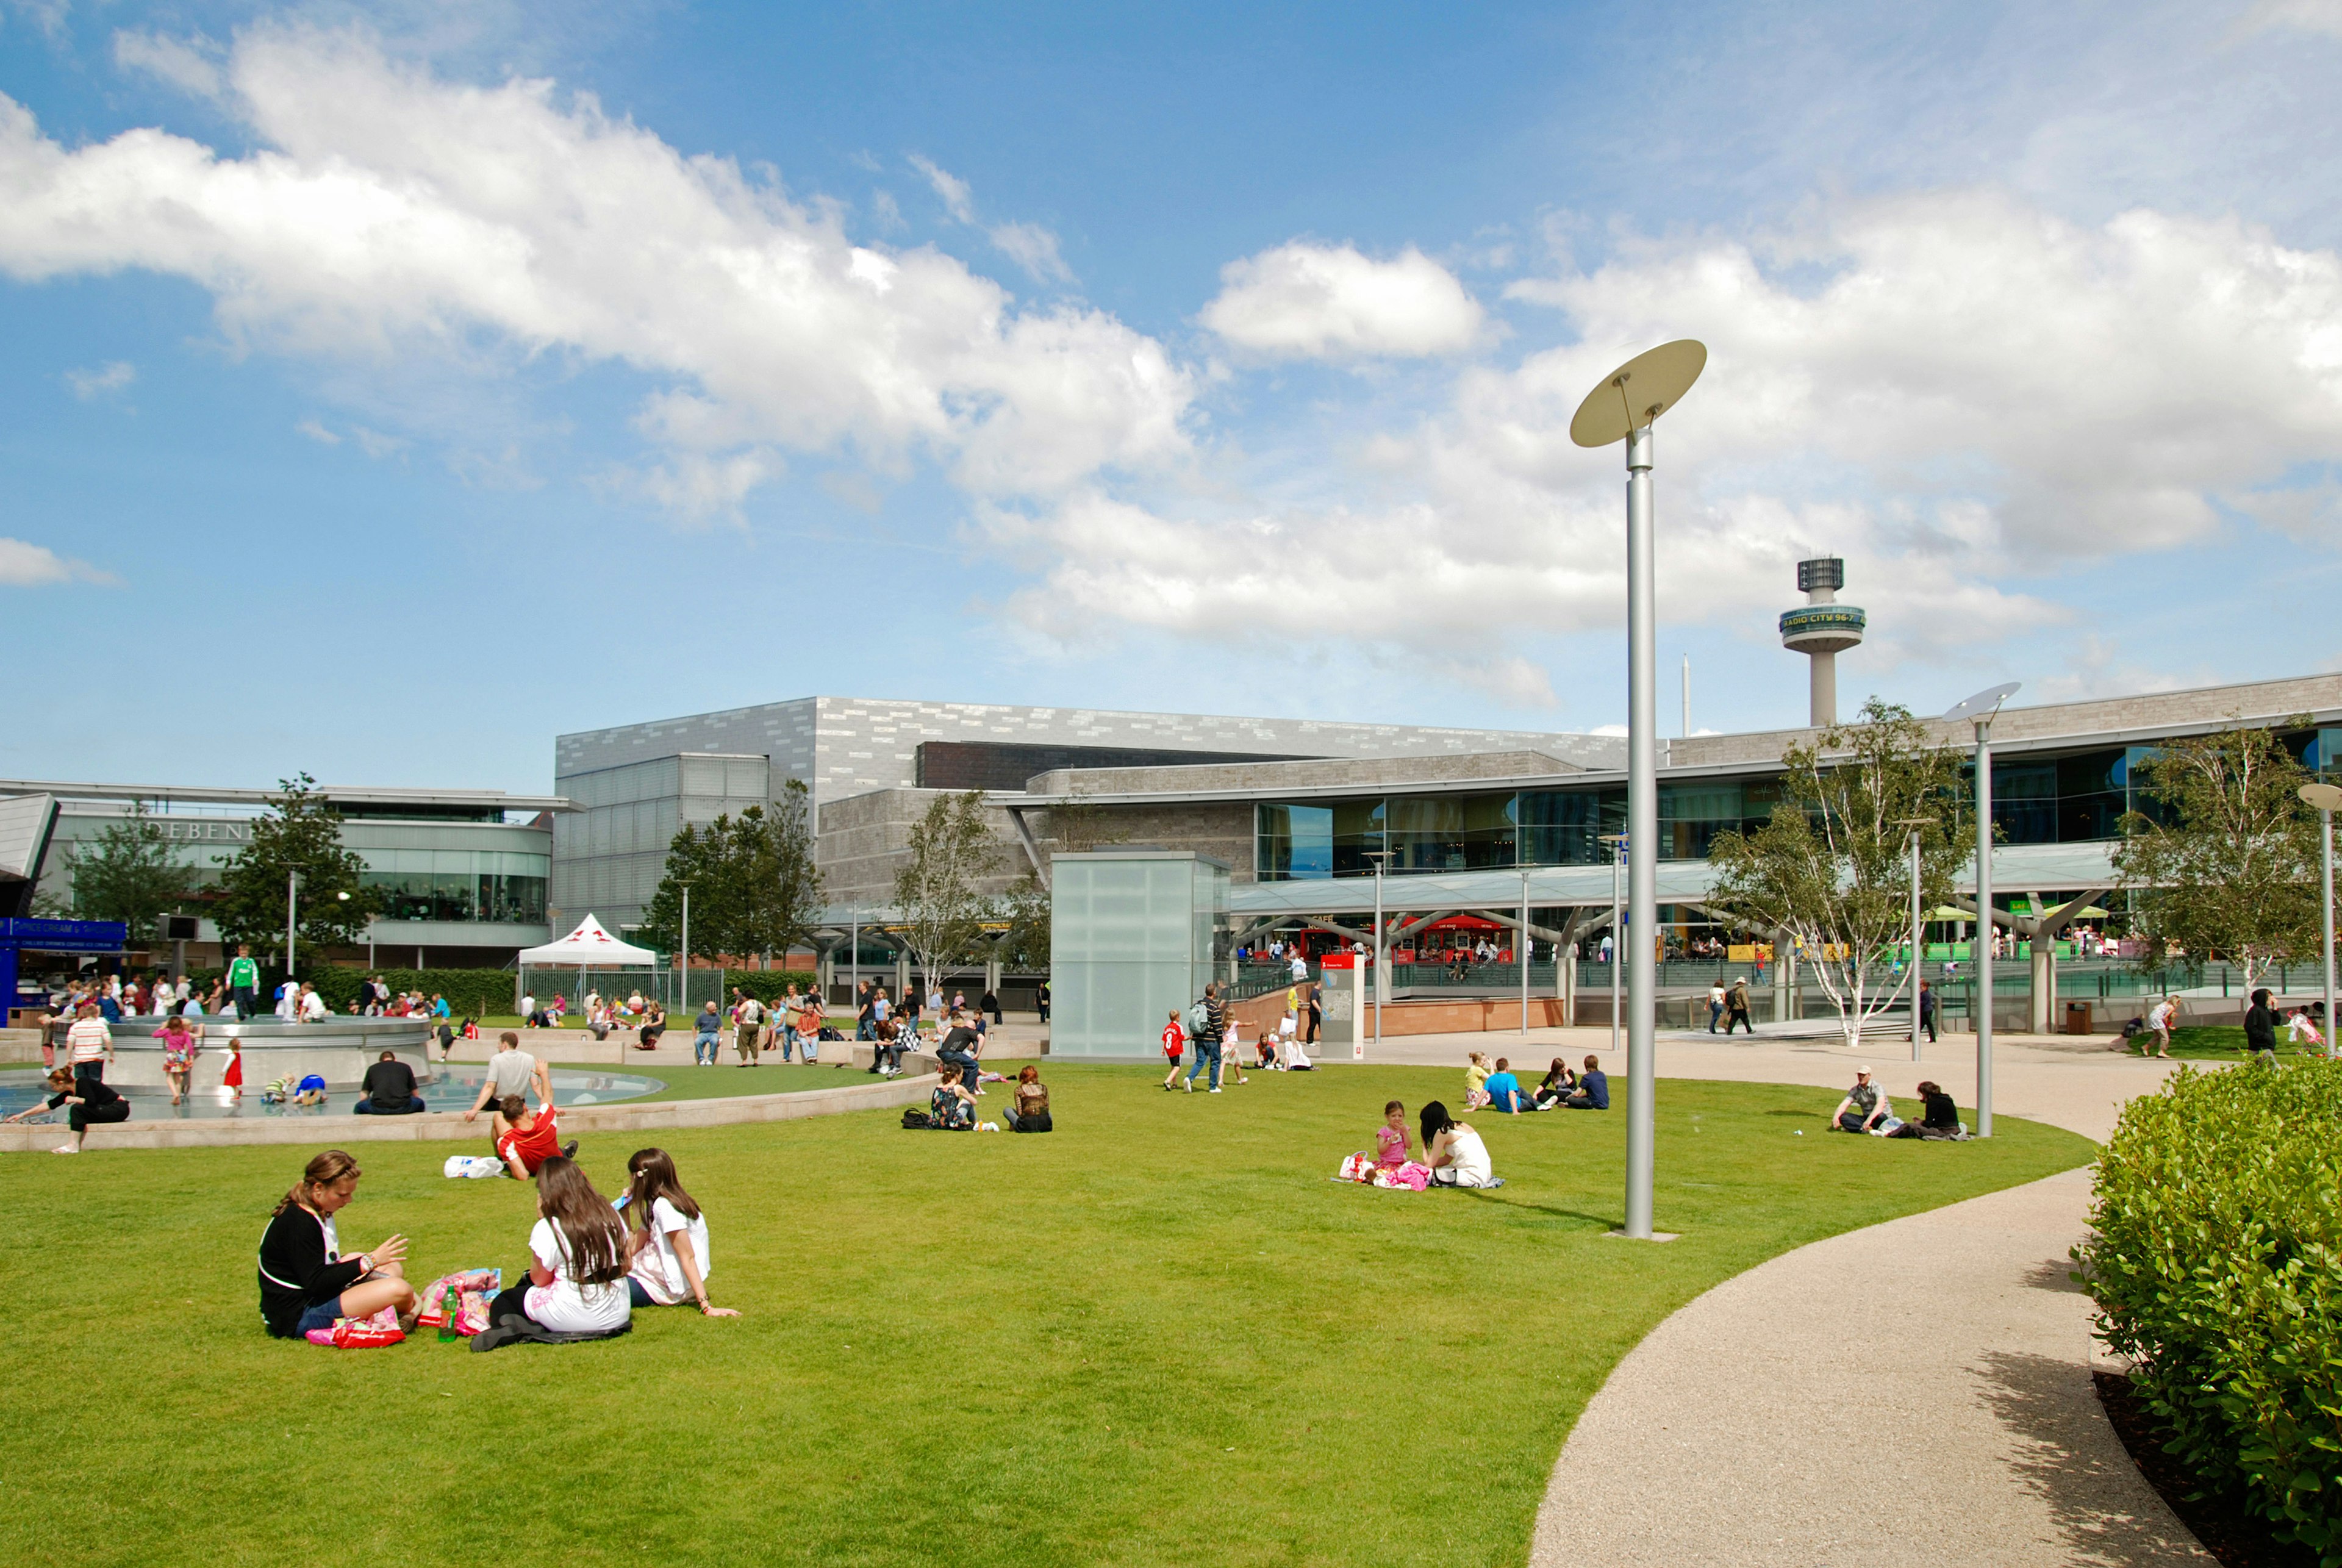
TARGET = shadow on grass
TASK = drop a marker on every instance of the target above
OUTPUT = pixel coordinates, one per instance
(2068, 1455)
(1483, 1196)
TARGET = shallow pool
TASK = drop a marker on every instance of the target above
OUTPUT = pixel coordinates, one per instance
(454, 1090)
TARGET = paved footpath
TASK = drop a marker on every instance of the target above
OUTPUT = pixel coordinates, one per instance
(1915, 1392)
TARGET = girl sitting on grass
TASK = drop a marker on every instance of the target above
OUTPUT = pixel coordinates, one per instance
(306, 1280)
(1453, 1151)
(669, 1241)
(1475, 1072)
(953, 1107)
(1391, 1144)
(577, 1263)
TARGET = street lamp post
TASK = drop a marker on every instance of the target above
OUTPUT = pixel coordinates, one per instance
(1624, 408)
(1522, 952)
(682, 964)
(1378, 857)
(1618, 843)
(292, 916)
(1979, 711)
(1917, 928)
(854, 961)
(2327, 799)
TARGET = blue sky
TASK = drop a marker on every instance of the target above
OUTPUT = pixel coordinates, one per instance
(388, 388)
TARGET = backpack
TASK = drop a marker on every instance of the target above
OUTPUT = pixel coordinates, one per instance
(914, 1117)
(1199, 1018)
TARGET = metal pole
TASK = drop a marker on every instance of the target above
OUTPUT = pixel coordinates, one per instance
(1378, 956)
(291, 895)
(1984, 926)
(853, 959)
(1916, 932)
(1643, 829)
(682, 972)
(2326, 859)
(1522, 952)
(1617, 947)
(1686, 696)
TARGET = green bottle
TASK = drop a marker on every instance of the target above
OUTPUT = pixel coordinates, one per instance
(453, 1305)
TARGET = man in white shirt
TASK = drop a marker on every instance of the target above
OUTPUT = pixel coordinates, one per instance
(2158, 1019)
(1300, 965)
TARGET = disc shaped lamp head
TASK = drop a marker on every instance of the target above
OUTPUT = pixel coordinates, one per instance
(2321, 797)
(1639, 391)
(1983, 705)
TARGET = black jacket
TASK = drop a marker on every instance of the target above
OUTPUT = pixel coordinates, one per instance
(294, 1274)
(2260, 1028)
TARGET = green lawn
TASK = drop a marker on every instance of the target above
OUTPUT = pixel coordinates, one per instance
(2216, 1043)
(1159, 1335)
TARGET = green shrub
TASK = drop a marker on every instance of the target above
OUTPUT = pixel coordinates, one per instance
(2216, 1266)
(469, 992)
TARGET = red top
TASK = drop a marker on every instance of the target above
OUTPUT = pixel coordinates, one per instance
(1174, 1039)
(534, 1146)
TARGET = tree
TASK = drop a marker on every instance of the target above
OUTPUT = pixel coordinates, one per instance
(938, 896)
(302, 832)
(2226, 863)
(755, 888)
(1832, 869)
(127, 873)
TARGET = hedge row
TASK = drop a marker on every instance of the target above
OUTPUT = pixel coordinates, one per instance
(2217, 1264)
(472, 992)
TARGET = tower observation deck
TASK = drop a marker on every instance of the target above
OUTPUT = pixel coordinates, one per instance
(1821, 629)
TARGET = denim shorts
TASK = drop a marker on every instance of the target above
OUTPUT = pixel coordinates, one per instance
(322, 1315)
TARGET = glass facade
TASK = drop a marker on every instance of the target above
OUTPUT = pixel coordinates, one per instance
(609, 855)
(459, 884)
(2072, 799)
(1132, 939)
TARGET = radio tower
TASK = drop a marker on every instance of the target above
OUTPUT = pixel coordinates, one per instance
(1821, 630)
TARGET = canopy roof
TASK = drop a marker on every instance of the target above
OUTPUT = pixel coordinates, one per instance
(591, 946)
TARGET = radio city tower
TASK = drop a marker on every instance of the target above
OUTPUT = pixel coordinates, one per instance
(1821, 630)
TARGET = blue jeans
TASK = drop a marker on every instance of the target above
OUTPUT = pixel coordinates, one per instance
(702, 1049)
(1715, 1012)
(322, 1315)
(369, 1108)
(961, 1060)
(1206, 1050)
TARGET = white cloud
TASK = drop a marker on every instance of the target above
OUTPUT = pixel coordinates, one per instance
(1325, 301)
(958, 198)
(111, 376)
(2306, 15)
(386, 211)
(23, 565)
(885, 211)
(374, 443)
(188, 65)
(317, 433)
(1031, 247)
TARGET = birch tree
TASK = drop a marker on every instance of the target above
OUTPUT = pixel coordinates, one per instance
(939, 902)
(1832, 869)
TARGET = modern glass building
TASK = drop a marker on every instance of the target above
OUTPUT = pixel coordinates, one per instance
(464, 873)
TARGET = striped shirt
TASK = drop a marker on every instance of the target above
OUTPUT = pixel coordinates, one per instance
(90, 1040)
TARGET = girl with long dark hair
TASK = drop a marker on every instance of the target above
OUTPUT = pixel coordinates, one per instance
(577, 1260)
(669, 1243)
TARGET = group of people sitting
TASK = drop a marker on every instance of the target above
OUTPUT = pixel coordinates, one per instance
(1866, 1109)
(1453, 1154)
(1497, 1086)
(591, 1262)
(951, 1104)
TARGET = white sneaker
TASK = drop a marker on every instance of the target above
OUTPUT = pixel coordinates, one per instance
(1216, 1091)
(65, 1149)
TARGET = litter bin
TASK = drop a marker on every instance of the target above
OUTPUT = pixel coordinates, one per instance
(2078, 1018)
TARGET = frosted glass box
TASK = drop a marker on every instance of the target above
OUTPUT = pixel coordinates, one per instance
(1131, 940)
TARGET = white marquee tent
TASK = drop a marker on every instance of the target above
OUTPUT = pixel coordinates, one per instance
(590, 946)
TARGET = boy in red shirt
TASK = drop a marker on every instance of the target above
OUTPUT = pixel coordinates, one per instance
(525, 1139)
(1175, 1043)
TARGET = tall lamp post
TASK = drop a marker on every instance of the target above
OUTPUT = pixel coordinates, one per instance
(1522, 949)
(1618, 843)
(293, 914)
(1980, 711)
(1624, 408)
(1378, 857)
(1914, 823)
(682, 959)
(2327, 800)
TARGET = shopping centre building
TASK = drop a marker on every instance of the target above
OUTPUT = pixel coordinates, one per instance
(463, 873)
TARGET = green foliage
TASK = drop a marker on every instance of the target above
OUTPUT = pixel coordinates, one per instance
(940, 901)
(470, 993)
(755, 888)
(2217, 1263)
(127, 874)
(302, 832)
(1833, 866)
(2227, 862)
(1087, 1433)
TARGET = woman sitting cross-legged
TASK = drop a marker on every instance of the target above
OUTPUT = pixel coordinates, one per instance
(1028, 1108)
(669, 1238)
(577, 1264)
(305, 1280)
(89, 1100)
(951, 1103)
(1454, 1152)
(525, 1139)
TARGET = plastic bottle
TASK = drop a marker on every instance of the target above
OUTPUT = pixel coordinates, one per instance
(452, 1305)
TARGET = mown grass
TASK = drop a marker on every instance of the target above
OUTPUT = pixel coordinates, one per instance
(2213, 1042)
(1159, 1335)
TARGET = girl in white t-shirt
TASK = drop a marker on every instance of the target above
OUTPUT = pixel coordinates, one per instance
(577, 1260)
(669, 1240)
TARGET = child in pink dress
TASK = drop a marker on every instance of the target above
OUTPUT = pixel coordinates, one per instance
(1390, 1138)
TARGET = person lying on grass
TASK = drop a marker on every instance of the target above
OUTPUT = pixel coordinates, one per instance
(1453, 1151)
(953, 1107)
(87, 1100)
(577, 1262)
(669, 1243)
(525, 1139)
(305, 1281)
(1864, 1106)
